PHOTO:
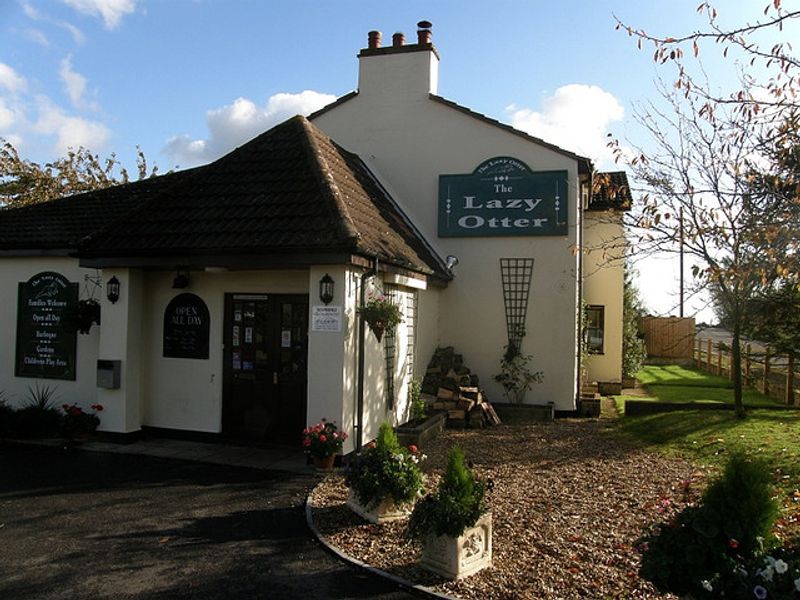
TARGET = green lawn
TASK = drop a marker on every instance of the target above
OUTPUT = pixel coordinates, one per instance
(680, 376)
(672, 383)
(707, 437)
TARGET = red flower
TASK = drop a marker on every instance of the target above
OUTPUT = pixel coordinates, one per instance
(733, 543)
(413, 449)
(65, 406)
(323, 438)
(306, 442)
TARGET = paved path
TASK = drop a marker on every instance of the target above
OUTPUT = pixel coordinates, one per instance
(77, 524)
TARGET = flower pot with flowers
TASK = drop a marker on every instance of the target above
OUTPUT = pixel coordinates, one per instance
(384, 478)
(322, 442)
(77, 424)
(381, 315)
(454, 523)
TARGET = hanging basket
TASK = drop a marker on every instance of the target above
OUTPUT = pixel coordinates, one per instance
(381, 315)
(378, 328)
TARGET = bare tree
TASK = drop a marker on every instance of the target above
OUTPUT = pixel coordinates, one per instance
(745, 41)
(694, 189)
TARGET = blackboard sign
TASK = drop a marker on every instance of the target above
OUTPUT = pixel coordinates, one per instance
(186, 327)
(503, 197)
(47, 336)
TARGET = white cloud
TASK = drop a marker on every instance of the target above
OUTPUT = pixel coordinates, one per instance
(7, 117)
(10, 80)
(31, 11)
(236, 123)
(70, 131)
(75, 84)
(576, 117)
(77, 35)
(110, 11)
(37, 37)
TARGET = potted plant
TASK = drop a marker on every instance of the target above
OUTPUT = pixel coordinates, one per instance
(384, 478)
(381, 315)
(454, 523)
(323, 442)
(77, 424)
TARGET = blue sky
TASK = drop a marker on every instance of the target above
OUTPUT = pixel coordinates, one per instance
(187, 80)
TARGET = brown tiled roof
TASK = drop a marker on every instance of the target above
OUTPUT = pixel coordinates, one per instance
(611, 192)
(289, 190)
(59, 225)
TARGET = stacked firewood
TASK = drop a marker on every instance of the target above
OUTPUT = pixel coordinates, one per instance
(450, 386)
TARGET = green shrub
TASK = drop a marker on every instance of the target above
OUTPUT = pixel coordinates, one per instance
(457, 504)
(39, 417)
(725, 529)
(515, 375)
(419, 408)
(385, 469)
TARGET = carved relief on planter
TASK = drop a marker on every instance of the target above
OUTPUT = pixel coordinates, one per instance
(456, 558)
(382, 512)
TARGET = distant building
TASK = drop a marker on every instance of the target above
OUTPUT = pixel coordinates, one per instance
(234, 287)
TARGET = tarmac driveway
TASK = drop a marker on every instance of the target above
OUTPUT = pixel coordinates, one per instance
(79, 524)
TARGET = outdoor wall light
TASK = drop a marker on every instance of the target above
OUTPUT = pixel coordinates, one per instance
(181, 280)
(451, 262)
(112, 290)
(326, 289)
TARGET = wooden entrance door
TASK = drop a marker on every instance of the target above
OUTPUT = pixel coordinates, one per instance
(264, 373)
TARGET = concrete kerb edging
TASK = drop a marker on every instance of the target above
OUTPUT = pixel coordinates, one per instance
(403, 583)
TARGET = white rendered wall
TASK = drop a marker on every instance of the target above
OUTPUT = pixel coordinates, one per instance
(603, 285)
(183, 393)
(83, 390)
(408, 140)
(331, 380)
(121, 339)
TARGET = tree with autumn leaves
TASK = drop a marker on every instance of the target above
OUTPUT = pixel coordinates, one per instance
(720, 178)
(24, 182)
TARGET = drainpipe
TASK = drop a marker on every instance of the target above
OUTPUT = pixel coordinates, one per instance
(361, 343)
(579, 234)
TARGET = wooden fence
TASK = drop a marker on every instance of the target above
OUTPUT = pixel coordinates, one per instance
(773, 375)
(668, 337)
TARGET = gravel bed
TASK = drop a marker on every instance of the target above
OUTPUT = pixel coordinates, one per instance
(568, 504)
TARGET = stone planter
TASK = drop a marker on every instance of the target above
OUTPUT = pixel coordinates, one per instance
(419, 434)
(384, 511)
(456, 558)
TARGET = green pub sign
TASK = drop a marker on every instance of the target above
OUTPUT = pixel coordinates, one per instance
(503, 197)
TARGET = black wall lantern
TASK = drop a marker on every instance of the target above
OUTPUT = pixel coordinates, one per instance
(326, 289)
(181, 280)
(112, 290)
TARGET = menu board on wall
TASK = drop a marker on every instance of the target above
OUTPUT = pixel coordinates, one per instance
(186, 327)
(46, 333)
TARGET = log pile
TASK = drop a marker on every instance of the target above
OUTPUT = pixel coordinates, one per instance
(450, 386)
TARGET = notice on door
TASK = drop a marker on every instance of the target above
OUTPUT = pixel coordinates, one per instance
(46, 328)
(326, 318)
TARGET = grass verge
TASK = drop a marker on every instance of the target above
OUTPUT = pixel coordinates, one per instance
(706, 439)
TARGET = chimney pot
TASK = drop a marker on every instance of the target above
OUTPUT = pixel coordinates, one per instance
(374, 39)
(424, 33)
(398, 39)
